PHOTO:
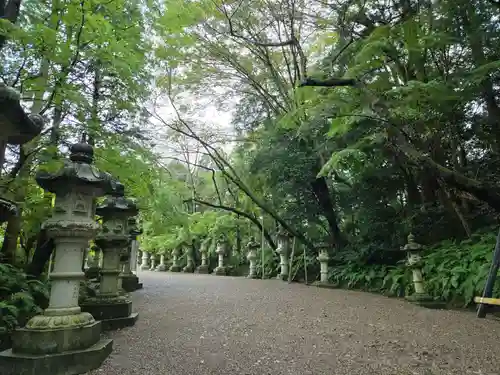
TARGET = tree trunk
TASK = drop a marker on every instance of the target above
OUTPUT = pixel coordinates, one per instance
(43, 251)
(322, 194)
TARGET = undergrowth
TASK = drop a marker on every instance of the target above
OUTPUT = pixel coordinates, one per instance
(455, 272)
(20, 299)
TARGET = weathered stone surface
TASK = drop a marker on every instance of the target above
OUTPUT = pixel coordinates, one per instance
(31, 341)
(203, 268)
(118, 323)
(113, 309)
(324, 284)
(130, 283)
(67, 363)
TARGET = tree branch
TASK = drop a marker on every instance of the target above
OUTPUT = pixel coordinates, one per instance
(252, 218)
(331, 82)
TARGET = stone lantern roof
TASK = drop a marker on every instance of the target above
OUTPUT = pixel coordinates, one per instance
(116, 203)
(252, 244)
(77, 171)
(135, 230)
(17, 127)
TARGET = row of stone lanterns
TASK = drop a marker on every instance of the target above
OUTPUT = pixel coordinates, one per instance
(66, 337)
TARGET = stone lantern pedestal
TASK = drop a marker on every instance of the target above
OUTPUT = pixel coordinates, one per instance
(252, 257)
(203, 267)
(175, 258)
(162, 267)
(414, 262)
(283, 250)
(323, 259)
(112, 309)
(64, 340)
(145, 261)
(189, 260)
(129, 281)
(92, 272)
(153, 262)
(220, 270)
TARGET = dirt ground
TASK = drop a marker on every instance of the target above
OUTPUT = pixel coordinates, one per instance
(203, 324)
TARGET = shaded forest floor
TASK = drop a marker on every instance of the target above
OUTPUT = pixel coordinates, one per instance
(203, 324)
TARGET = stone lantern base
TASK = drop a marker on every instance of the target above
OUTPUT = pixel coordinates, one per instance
(175, 268)
(161, 267)
(130, 283)
(188, 269)
(56, 351)
(220, 271)
(325, 284)
(282, 277)
(113, 313)
(145, 266)
(425, 300)
(92, 273)
(202, 269)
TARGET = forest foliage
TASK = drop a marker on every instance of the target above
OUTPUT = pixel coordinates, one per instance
(353, 122)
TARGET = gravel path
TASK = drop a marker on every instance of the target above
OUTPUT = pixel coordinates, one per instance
(203, 324)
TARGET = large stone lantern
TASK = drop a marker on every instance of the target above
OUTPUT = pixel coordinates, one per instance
(284, 252)
(145, 261)
(323, 259)
(252, 247)
(175, 258)
(108, 306)
(203, 267)
(162, 266)
(189, 268)
(414, 262)
(64, 340)
(221, 251)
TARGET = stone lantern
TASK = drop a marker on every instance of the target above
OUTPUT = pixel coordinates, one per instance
(189, 259)
(203, 267)
(252, 247)
(414, 262)
(130, 281)
(323, 259)
(284, 252)
(152, 259)
(221, 250)
(162, 267)
(145, 261)
(108, 306)
(64, 340)
(175, 257)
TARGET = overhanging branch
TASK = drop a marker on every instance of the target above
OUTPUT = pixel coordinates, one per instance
(252, 218)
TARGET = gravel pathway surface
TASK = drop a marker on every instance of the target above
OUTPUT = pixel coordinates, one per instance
(202, 324)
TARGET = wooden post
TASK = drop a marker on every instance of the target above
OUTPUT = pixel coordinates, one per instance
(305, 265)
(262, 247)
(291, 262)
